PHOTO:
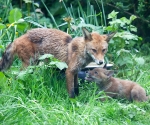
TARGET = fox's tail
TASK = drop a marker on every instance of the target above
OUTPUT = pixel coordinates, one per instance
(7, 57)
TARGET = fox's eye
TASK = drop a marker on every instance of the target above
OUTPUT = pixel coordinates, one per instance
(94, 50)
(96, 72)
(104, 50)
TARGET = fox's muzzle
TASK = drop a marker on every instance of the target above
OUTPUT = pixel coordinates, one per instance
(98, 62)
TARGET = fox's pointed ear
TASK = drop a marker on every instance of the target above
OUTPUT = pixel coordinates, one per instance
(109, 36)
(86, 34)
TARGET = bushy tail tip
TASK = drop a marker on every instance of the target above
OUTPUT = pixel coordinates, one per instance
(7, 58)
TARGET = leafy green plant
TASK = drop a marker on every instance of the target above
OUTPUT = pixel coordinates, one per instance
(5, 7)
(46, 61)
(29, 3)
(16, 25)
(54, 63)
(125, 44)
(81, 17)
(53, 19)
(37, 95)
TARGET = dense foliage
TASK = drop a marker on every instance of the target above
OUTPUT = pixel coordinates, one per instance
(37, 95)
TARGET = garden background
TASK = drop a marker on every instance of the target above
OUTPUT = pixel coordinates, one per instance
(37, 95)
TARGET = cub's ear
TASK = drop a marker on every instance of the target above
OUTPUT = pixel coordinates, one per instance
(110, 73)
(86, 34)
(109, 36)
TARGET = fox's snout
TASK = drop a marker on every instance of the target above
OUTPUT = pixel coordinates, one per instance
(87, 73)
(99, 62)
(97, 58)
(88, 76)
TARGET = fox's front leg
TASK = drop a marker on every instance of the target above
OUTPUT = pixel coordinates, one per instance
(70, 83)
(76, 85)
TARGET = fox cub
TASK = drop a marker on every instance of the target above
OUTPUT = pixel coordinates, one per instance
(115, 87)
(77, 52)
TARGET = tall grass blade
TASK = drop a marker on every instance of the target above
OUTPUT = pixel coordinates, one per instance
(103, 12)
(36, 18)
(50, 14)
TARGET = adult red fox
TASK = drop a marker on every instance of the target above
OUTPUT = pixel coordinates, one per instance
(115, 87)
(77, 52)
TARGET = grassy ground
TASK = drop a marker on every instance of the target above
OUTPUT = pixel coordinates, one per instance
(40, 98)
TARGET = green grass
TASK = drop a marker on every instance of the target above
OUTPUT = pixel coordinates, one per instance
(40, 98)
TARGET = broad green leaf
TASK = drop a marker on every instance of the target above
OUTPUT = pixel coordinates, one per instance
(27, 1)
(2, 47)
(2, 78)
(140, 60)
(45, 56)
(2, 26)
(14, 15)
(112, 15)
(140, 38)
(133, 17)
(109, 28)
(124, 60)
(3, 81)
(52, 63)
(20, 21)
(61, 65)
(36, 4)
(117, 21)
(22, 26)
(133, 28)
(125, 20)
(122, 51)
(23, 74)
(129, 36)
(127, 59)
(119, 61)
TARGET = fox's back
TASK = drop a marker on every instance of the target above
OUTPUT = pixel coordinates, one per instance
(123, 85)
(51, 41)
(47, 36)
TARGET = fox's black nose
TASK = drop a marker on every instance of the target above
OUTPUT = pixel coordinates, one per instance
(100, 62)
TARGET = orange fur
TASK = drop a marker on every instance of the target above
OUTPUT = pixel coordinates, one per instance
(115, 87)
(77, 52)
